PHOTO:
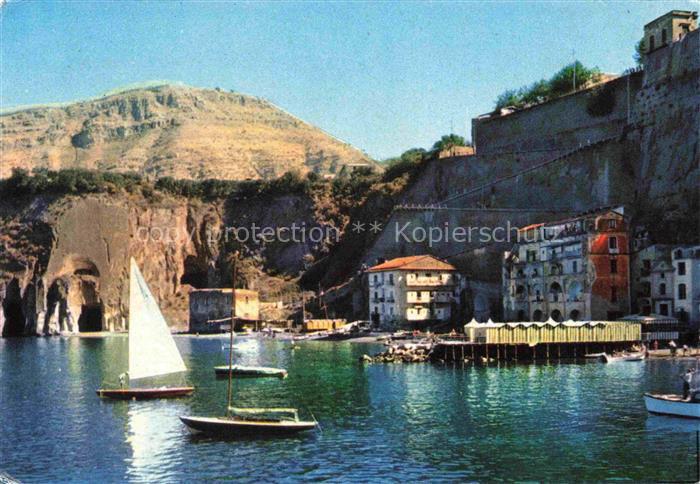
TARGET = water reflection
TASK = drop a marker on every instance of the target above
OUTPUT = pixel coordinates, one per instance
(154, 434)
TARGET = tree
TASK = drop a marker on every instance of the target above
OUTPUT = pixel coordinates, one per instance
(639, 52)
(449, 141)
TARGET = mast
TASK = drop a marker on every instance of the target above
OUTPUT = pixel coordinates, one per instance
(233, 321)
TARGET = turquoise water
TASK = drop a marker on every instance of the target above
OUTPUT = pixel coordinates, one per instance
(546, 422)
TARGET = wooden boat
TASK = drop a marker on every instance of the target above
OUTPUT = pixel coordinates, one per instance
(670, 404)
(152, 349)
(247, 421)
(145, 393)
(251, 371)
(594, 356)
(624, 357)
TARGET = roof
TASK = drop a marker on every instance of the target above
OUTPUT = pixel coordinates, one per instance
(582, 216)
(413, 263)
(651, 318)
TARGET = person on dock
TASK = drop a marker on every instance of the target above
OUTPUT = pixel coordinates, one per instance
(672, 345)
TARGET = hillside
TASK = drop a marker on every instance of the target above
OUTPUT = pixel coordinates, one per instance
(176, 131)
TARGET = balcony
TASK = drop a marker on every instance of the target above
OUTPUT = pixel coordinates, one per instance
(429, 281)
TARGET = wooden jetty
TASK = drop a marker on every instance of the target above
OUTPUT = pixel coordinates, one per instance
(534, 341)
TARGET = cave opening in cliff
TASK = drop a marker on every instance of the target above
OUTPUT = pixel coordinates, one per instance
(13, 311)
(195, 273)
(90, 319)
(88, 300)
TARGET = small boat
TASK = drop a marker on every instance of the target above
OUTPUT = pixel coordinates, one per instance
(152, 349)
(670, 404)
(247, 421)
(623, 357)
(250, 371)
(145, 393)
(250, 421)
(594, 356)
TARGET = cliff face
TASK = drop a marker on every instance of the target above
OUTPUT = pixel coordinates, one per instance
(172, 131)
(65, 263)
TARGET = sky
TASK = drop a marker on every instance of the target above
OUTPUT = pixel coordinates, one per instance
(383, 76)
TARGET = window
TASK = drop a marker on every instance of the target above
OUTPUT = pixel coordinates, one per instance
(681, 291)
(613, 266)
(391, 279)
(375, 278)
(376, 295)
(662, 289)
(662, 275)
(679, 254)
(663, 309)
(646, 264)
(613, 294)
(391, 310)
(574, 266)
(427, 274)
(612, 243)
(663, 37)
(612, 223)
(681, 268)
(651, 43)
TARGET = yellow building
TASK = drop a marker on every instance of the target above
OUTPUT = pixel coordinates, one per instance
(532, 333)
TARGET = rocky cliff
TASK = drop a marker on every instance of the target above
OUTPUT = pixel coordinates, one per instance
(175, 131)
(64, 262)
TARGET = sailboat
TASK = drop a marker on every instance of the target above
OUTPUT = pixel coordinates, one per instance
(152, 349)
(247, 421)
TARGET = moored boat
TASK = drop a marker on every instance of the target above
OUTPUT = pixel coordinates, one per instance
(670, 404)
(639, 356)
(247, 421)
(250, 421)
(250, 371)
(145, 393)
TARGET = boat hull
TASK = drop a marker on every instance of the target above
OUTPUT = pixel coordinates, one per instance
(671, 405)
(145, 393)
(226, 427)
(251, 372)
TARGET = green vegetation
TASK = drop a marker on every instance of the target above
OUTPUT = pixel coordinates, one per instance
(639, 52)
(559, 84)
(449, 141)
(601, 101)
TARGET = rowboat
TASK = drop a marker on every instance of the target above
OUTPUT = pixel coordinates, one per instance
(250, 371)
(145, 393)
(152, 349)
(670, 404)
(624, 357)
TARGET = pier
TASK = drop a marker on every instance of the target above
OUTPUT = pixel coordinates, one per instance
(460, 351)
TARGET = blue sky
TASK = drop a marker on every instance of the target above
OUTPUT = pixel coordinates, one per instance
(384, 76)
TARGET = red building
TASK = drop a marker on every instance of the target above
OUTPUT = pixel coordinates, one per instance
(576, 269)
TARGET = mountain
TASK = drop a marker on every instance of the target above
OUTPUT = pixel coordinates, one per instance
(170, 130)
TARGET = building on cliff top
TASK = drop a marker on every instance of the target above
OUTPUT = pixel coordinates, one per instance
(416, 291)
(210, 309)
(574, 269)
(670, 27)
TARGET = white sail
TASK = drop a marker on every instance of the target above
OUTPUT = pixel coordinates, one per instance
(152, 349)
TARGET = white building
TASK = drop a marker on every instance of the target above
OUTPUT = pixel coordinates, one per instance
(415, 291)
(686, 284)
